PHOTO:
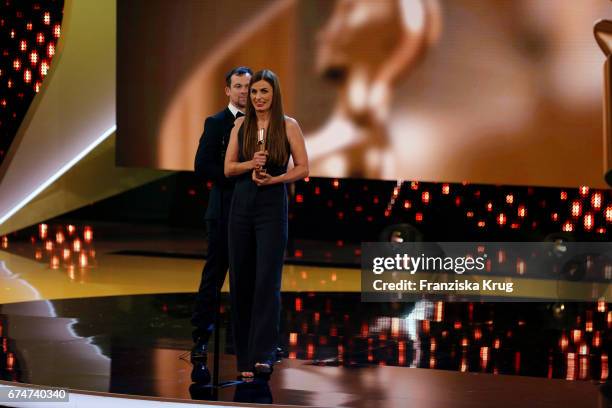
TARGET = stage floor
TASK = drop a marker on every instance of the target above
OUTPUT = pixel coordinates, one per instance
(119, 323)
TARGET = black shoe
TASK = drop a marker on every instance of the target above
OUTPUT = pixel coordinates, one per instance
(263, 371)
(200, 373)
(199, 352)
(280, 354)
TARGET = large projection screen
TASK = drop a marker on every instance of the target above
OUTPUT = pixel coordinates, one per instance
(494, 92)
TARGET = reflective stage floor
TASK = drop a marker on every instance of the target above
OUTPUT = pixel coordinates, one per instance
(120, 323)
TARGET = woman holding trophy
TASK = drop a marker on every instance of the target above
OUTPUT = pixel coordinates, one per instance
(258, 154)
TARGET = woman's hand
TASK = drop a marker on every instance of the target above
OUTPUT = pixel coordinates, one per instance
(259, 159)
(261, 178)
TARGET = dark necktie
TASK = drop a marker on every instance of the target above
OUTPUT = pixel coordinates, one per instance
(239, 115)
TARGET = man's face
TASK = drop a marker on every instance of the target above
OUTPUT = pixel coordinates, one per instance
(239, 90)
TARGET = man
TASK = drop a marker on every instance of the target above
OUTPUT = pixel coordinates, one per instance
(209, 166)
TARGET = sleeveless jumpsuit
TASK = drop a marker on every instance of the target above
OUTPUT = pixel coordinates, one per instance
(257, 241)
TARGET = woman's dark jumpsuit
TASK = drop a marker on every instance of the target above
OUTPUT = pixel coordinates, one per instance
(257, 241)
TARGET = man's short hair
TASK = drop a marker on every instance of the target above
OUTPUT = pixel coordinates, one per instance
(236, 71)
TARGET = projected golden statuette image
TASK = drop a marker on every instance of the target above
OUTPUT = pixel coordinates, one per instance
(603, 35)
(364, 49)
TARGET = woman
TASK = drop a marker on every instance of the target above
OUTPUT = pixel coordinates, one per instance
(258, 219)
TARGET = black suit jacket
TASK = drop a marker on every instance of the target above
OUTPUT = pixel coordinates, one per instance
(210, 159)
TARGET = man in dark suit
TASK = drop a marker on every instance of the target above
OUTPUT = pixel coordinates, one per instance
(209, 163)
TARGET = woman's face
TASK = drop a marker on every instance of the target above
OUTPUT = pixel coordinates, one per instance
(261, 95)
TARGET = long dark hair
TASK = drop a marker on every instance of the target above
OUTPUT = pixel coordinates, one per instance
(276, 138)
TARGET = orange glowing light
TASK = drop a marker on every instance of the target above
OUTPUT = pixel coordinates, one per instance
(57, 30)
(83, 261)
(310, 351)
(432, 362)
(40, 38)
(568, 227)
(293, 337)
(584, 191)
(49, 245)
(292, 355)
(38, 255)
(489, 206)
(445, 189)
(50, 50)
(17, 64)
(522, 211)
(601, 306)
(27, 76)
(23, 45)
(336, 183)
(414, 185)
(563, 195)
(76, 245)
(477, 333)
(521, 267)
(44, 67)
(418, 217)
(438, 311)
(469, 214)
(597, 339)
(497, 344)
(609, 213)
(465, 342)
(484, 358)
(47, 18)
(464, 365)
(604, 367)
(576, 208)
(66, 254)
(71, 229)
(37, 86)
(33, 58)
(59, 237)
(583, 367)
(55, 262)
(298, 304)
(576, 336)
(596, 200)
(407, 204)
(509, 198)
(588, 221)
(501, 219)
(481, 224)
(10, 361)
(4, 242)
(425, 197)
(571, 367)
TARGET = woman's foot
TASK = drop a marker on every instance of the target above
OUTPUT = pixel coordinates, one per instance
(263, 368)
(263, 371)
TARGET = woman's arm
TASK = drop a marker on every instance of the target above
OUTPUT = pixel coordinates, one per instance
(298, 153)
(233, 167)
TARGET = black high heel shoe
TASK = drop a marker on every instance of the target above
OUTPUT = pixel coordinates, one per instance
(263, 370)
